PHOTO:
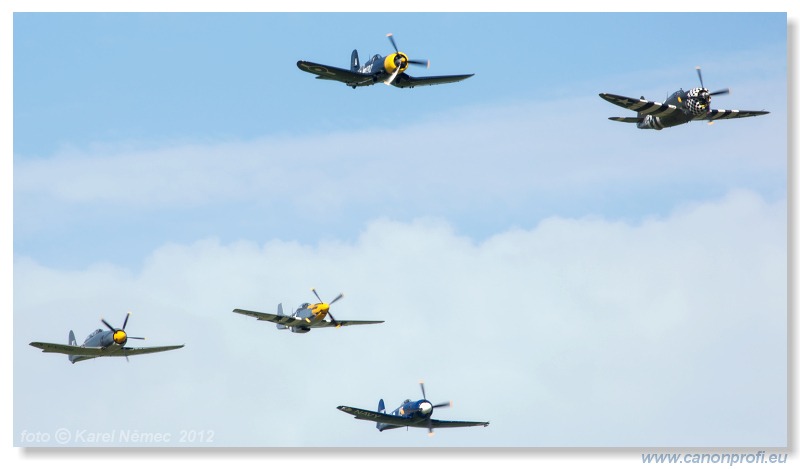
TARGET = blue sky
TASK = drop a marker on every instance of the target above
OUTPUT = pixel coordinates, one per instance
(209, 77)
(534, 261)
(204, 80)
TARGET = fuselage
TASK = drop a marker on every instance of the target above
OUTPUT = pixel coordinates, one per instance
(102, 338)
(107, 340)
(378, 67)
(311, 314)
(377, 64)
(416, 412)
(693, 104)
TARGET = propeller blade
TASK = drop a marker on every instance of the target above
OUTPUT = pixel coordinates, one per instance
(315, 294)
(426, 63)
(724, 91)
(430, 428)
(391, 78)
(700, 75)
(113, 329)
(402, 58)
(391, 39)
(443, 404)
(341, 295)
(125, 323)
(138, 338)
(334, 321)
(422, 386)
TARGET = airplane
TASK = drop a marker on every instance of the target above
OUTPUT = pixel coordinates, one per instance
(679, 108)
(100, 343)
(390, 70)
(306, 317)
(409, 414)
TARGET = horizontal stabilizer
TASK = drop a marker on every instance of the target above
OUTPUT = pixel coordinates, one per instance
(630, 120)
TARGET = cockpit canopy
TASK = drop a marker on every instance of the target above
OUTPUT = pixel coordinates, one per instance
(406, 401)
(97, 331)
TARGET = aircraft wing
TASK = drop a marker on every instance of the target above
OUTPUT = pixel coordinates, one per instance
(630, 120)
(378, 417)
(641, 106)
(327, 72)
(715, 114)
(288, 321)
(407, 81)
(128, 351)
(69, 349)
(343, 323)
(99, 351)
(455, 423)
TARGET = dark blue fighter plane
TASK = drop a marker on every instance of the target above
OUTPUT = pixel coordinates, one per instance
(100, 343)
(409, 414)
(390, 70)
(679, 108)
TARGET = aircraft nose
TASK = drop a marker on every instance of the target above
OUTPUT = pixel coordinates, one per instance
(120, 337)
(425, 407)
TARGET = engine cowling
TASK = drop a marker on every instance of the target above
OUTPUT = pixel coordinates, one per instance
(394, 61)
(698, 101)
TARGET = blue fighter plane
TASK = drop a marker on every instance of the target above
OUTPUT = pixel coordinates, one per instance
(409, 414)
(390, 70)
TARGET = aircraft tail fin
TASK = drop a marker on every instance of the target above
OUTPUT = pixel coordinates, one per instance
(354, 64)
(72, 341)
(381, 408)
(280, 313)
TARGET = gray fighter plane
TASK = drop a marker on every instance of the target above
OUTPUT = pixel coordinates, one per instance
(308, 316)
(100, 343)
(679, 108)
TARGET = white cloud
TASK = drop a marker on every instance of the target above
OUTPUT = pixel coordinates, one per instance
(579, 332)
(503, 152)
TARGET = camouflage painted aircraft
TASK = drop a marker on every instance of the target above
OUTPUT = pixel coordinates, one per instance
(409, 414)
(390, 70)
(306, 317)
(100, 343)
(679, 108)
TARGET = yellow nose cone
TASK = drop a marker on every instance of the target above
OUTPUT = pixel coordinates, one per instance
(321, 309)
(120, 337)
